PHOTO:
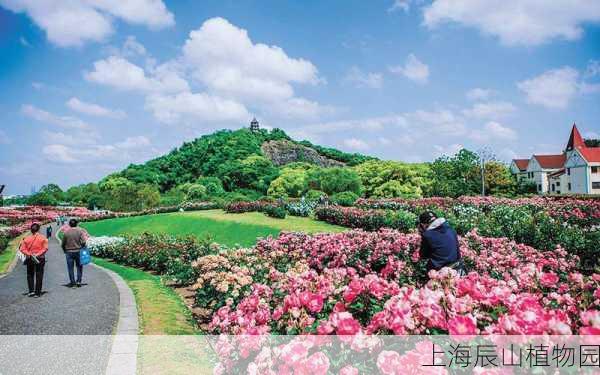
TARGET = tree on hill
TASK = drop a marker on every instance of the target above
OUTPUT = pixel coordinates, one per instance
(393, 179)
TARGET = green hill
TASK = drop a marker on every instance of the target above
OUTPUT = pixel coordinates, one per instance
(225, 153)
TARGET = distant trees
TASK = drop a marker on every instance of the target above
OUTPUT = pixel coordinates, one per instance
(48, 195)
(461, 175)
(391, 179)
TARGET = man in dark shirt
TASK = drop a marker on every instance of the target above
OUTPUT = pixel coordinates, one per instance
(73, 241)
(439, 243)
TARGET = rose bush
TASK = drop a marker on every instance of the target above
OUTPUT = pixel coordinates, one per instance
(167, 255)
(370, 282)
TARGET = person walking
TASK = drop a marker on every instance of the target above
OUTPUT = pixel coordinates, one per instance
(439, 244)
(73, 240)
(49, 231)
(34, 247)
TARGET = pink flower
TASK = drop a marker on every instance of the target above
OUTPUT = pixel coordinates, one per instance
(548, 279)
(462, 325)
(314, 303)
(348, 370)
(388, 362)
(347, 326)
(316, 364)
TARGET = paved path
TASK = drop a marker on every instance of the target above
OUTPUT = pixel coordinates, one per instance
(66, 331)
(92, 309)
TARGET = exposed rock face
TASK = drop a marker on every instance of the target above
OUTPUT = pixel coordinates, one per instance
(285, 152)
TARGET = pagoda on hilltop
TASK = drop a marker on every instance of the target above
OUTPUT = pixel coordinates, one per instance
(254, 127)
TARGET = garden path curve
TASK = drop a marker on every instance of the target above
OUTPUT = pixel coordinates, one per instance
(92, 310)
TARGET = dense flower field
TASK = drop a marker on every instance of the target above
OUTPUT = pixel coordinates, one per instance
(540, 222)
(370, 282)
(18, 220)
(167, 255)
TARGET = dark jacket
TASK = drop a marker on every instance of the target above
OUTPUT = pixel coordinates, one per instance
(439, 244)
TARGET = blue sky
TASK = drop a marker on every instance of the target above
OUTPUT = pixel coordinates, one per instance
(90, 86)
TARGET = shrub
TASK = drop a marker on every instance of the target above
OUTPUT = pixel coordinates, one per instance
(304, 207)
(167, 255)
(346, 198)
(314, 195)
(275, 211)
(338, 180)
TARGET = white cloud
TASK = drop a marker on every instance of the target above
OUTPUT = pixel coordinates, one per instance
(356, 144)
(37, 85)
(490, 110)
(172, 108)
(121, 74)
(299, 108)
(441, 122)
(403, 5)
(478, 94)
(223, 57)
(72, 23)
(552, 89)
(592, 69)
(517, 22)
(133, 143)
(364, 79)
(132, 47)
(24, 42)
(60, 153)
(94, 109)
(64, 151)
(50, 118)
(492, 131)
(413, 69)
(447, 150)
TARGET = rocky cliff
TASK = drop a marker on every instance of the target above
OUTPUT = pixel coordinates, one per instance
(285, 152)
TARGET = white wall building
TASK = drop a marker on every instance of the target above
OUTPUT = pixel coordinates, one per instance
(575, 171)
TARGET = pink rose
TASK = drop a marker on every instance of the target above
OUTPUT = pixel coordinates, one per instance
(388, 362)
(349, 370)
(314, 303)
(462, 325)
(548, 279)
(348, 326)
(316, 364)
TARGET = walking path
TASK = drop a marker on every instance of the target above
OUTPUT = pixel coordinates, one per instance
(92, 309)
(84, 318)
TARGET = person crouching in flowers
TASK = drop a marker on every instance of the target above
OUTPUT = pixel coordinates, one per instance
(34, 247)
(439, 244)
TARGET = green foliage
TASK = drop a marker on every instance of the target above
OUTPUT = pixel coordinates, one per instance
(461, 175)
(290, 183)
(121, 194)
(345, 198)
(314, 195)
(48, 195)
(337, 180)
(213, 185)
(276, 212)
(392, 179)
(457, 175)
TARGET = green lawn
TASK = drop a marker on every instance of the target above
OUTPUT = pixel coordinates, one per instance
(221, 227)
(161, 314)
(8, 255)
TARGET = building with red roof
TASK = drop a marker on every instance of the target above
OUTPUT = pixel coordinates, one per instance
(575, 171)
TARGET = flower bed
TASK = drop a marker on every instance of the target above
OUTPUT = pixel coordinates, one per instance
(369, 282)
(522, 220)
(370, 220)
(167, 255)
(244, 206)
